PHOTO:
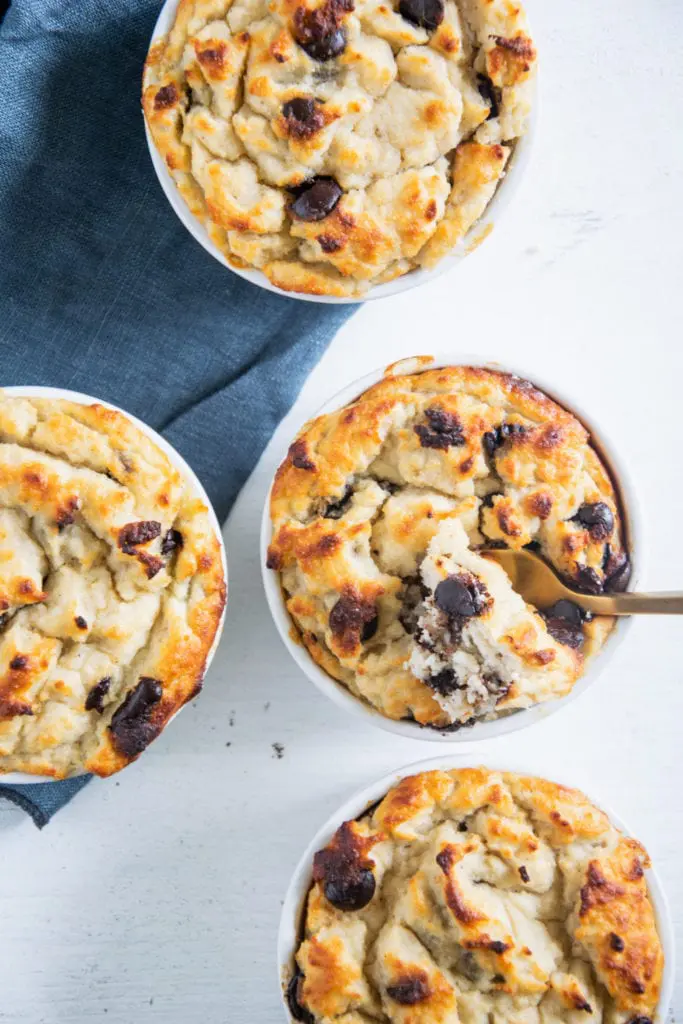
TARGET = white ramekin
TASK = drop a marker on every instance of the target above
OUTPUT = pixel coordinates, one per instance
(289, 933)
(29, 391)
(515, 170)
(518, 719)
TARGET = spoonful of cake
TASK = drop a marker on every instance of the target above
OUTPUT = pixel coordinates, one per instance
(539, 585)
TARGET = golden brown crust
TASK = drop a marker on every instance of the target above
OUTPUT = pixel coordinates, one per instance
(363, 511)
(415, 124)
(458, 899)
(113, 592)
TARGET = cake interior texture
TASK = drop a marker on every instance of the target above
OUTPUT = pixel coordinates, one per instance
(473, 896)
(112, 588)
(380, 514)
(338, 144)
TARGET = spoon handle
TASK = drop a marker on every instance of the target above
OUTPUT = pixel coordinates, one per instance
(666, 603)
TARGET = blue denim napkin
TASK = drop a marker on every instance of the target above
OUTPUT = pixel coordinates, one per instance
(102, 290)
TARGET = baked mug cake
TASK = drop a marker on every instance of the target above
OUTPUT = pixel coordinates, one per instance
(112, 588)
(473, 896)
(339, 144)
(380, 515)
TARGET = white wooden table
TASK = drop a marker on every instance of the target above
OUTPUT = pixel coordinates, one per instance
(155, 896)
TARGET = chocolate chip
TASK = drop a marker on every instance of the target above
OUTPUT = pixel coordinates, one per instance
(616, 942)
(597, 518)
(498, 979)
(172, 540)
(587, 580)
(462, 827)
(410, 990)
(564, 622)
(18, 663)
(352, 893)
(617, 570)
(304, 117)
(494, 439)
(457, 595)
(444, 430)
(488, 94)
(566, 610)
(425, 13)
(95, 699)
(319, 32)
(133, 534)
(523, 874)
(444, 682)
(317, 201)
(498, 947)
(295, 1008)
(336, 509)
(80, 622)
(565, 633)
(298, 453)
(131, 728)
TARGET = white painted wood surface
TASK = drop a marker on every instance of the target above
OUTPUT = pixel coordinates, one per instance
(155, 897)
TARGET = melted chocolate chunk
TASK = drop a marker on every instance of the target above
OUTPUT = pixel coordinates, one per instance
(80, 622)
(319, 32)
(523, 874)
(131, 728)
(351, 893)
(410, 990)
(494, 439)
(295, 1008)
(617, 943)
(317, 201)
(341, 868)
(304, 117)
(597, 518)
(138, 533)
(352, 618)
(425, 13)
(488, 94)
(445, 682)
(498, 979)
(459, 596)
(172, 540)
(95, 699)
(617, 570)
(564, 621)
(18, 663)
(444, 430)
(587, 580)
(498, 947)
(336, 509)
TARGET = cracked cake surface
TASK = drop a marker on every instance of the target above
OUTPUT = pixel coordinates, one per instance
(473, 896)
(111, 588)
(379, 514)
(336, 144)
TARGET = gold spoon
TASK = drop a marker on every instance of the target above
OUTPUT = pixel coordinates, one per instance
(538, 584)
